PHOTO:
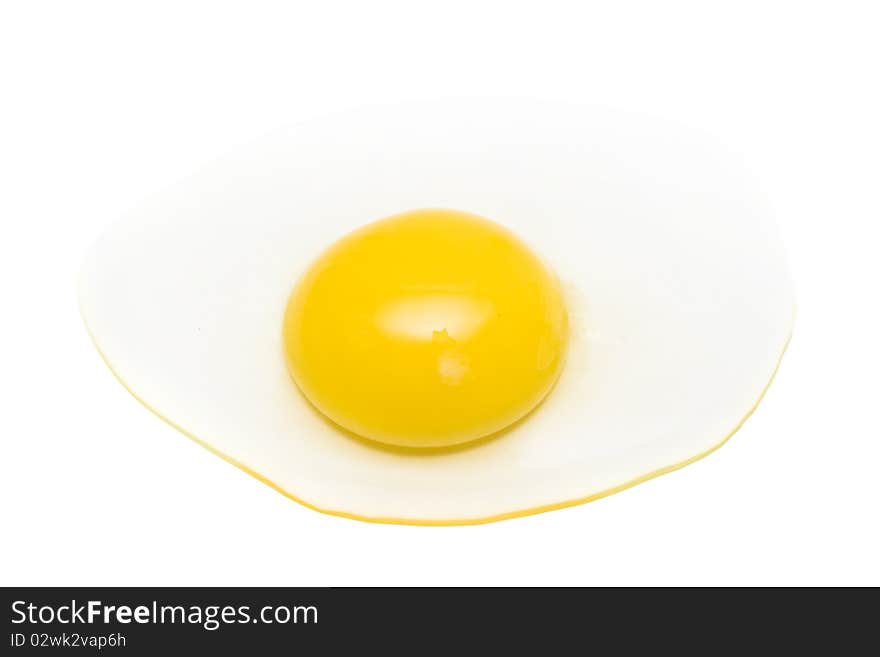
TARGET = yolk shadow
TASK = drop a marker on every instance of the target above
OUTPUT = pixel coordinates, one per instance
(422, 451)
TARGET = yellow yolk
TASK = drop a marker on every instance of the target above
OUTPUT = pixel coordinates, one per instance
(426, 329)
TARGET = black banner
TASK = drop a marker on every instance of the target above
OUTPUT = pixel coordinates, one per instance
(328, 621)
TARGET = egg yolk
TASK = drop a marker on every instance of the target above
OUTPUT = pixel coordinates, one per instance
(426, 329)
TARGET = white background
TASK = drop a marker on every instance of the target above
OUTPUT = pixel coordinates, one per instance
(103, 103)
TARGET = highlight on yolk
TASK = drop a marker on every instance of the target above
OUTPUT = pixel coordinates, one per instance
(430, 328)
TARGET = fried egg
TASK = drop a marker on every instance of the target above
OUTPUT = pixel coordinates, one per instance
(451, 312)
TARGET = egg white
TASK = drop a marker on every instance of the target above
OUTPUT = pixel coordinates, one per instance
(678, 290)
